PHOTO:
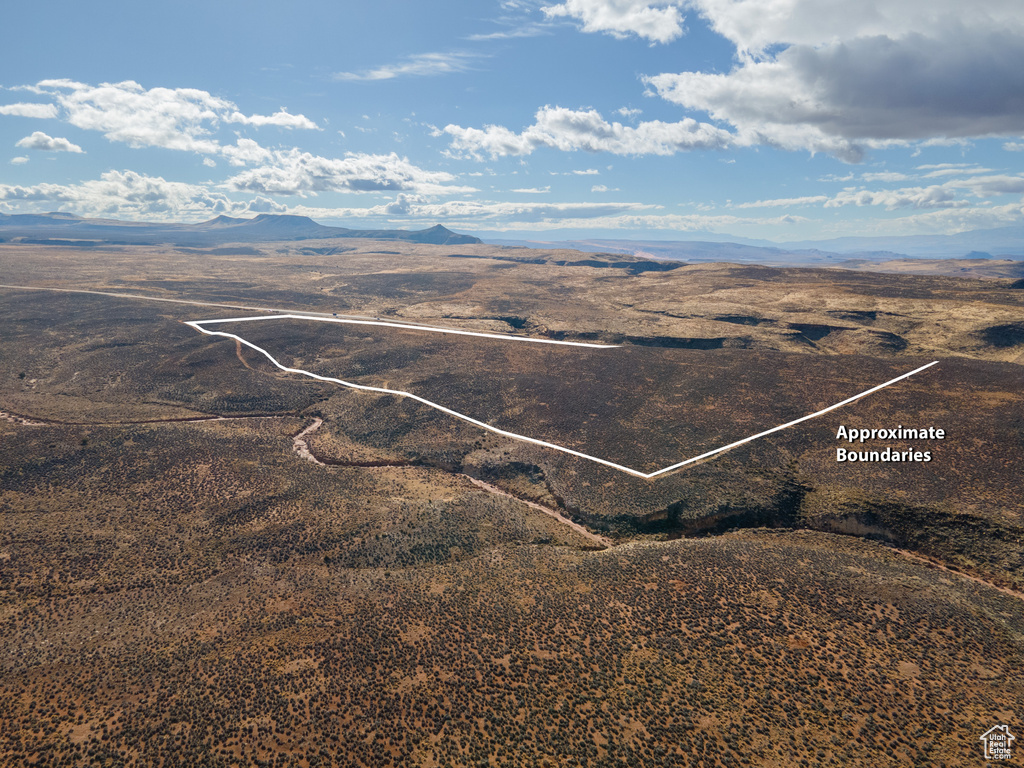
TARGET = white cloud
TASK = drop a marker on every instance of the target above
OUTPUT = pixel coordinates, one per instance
(420, 65)
(569, 130)
(39, 140)
(171, 118)
(527, 30)
(245, 152)
(587, 172)
(532, 190)
(564, 219)
(957, 171)
(654, 20)
(942, 221)
(282, 119)
(937, 196)
(754, 26)
(884, 176)
(784, 202)
(840, 77)
(19, 160)
(990, 186)
(628, 113)
(123, 194)
(293, 172)
(23, 109)
(952, 194)
(943, 166)
(1014, 146)
(134, 197)
(604, 188)
(472, 211)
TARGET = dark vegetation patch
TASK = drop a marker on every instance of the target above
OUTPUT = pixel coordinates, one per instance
(235, 250)
(399, 285)
(634, 267)
(816, 332)
(62, 242)
(742, 320)
(330, 250)
(1007, 335)
(860, 316)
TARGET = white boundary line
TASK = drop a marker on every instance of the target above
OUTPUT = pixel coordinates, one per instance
(429, 328)
(198, 325)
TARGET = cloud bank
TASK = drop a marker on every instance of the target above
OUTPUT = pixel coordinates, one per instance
(570, 130)
(828, 76)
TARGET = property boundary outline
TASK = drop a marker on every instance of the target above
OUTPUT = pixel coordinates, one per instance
(198, 325)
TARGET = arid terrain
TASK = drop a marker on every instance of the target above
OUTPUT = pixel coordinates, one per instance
(207, 561)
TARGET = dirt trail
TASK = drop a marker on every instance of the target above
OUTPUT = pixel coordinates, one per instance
(238, 353)
(20, 420)
(29, 422)
(301, 447)
(601, 540)
(976, 579)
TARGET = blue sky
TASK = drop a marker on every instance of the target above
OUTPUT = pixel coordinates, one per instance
(777, 119)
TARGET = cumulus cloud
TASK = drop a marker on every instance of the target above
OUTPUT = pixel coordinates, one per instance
(936, 196)
(245, 152)
(839, 77)
(950, 194)
(133, 196)
(171, 118)
(282, 119)
(19, 160)
(39, 140)
(293, 172)
(420, 65)
(532, 190)
(754, 26)
(570, 130)
(953, 220)
(23, 109)
(122, 194)
(990, 186)
(659, 22)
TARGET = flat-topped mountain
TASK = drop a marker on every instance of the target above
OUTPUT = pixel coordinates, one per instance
(64, 227)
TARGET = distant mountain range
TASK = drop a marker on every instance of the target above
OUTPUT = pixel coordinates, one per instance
(1005, 242)
(68, 229)
(71, 230)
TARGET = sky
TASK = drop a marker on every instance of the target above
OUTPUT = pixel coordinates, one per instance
(775, 119)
